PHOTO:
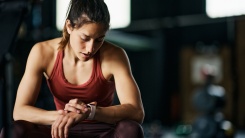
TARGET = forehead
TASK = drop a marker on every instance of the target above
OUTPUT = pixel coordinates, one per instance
(92, 29)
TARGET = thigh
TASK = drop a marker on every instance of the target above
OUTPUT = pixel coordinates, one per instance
(25, 129)
(90, 130)
(125, 129)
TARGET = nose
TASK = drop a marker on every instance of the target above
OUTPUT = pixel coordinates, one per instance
(90, 47)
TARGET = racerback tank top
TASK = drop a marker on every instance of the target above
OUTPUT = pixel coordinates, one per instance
(97, 88)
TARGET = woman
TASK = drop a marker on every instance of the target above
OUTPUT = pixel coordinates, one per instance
(83, 71)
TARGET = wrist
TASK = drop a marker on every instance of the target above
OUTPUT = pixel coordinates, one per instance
(92, 109)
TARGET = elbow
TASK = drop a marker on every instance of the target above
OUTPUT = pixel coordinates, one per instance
(16, 115)
(140, 115)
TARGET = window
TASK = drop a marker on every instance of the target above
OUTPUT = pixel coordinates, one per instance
(120, 11)
(225, 8)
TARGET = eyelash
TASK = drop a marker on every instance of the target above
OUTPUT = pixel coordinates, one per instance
(97, 40)
(84, 39)
(100, 40)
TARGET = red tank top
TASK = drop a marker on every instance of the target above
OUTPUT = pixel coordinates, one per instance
(97, 88)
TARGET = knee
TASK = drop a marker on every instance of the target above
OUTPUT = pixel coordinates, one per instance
(129, 124)
(22, 124)
(129, 129)
(17, 129)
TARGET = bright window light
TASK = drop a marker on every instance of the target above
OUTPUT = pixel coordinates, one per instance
(225, 8)
(61, 8)
(120, 12)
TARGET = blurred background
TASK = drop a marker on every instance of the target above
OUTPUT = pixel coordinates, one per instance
(186, 56)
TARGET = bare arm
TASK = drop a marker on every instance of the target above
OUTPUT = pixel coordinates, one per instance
(131, 106)
(28, 91)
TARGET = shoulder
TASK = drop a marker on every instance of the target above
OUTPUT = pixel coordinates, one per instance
(114, 57)
(47, 47)
(110, 51)
(45, 51)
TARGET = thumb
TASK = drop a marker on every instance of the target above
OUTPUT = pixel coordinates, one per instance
(93, 103)
(61, 112)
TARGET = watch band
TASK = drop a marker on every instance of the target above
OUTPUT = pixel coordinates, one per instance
(92, 112)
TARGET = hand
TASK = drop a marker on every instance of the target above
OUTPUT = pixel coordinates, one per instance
(60, 128)
(76, 105)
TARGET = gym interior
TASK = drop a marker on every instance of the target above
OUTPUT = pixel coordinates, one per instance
(193, 83)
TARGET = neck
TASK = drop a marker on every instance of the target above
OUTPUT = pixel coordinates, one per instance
(70, 55)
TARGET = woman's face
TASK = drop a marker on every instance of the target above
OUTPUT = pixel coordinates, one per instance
(86, 40)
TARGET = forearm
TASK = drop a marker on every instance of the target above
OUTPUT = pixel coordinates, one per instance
(113, 114)
(35, 115)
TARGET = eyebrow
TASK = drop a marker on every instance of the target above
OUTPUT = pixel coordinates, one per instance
(89, 36)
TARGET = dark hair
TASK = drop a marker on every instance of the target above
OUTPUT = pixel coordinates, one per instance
(81, 12)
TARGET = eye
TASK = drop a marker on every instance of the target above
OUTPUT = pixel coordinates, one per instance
(85, 39)
(100, 39)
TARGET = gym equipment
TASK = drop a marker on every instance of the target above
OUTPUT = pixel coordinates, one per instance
(209, 100)
(11, 16)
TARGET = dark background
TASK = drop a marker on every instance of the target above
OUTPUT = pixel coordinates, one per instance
(162, 30)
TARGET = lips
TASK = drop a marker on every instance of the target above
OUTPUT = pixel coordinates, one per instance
(86, 55)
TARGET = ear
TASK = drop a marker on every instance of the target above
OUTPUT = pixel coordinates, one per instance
(69, 26)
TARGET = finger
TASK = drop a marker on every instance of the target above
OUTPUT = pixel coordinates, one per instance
(67, 127)
(60, 132)
(55, 125)
(62, 126)
(81, 107)
(52, 131)
(74, 101)
(93, 103)
(66, 107)
(76, 108)
(61, 112)
(71, 108)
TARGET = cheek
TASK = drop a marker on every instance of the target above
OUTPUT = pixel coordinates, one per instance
(76, 43)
